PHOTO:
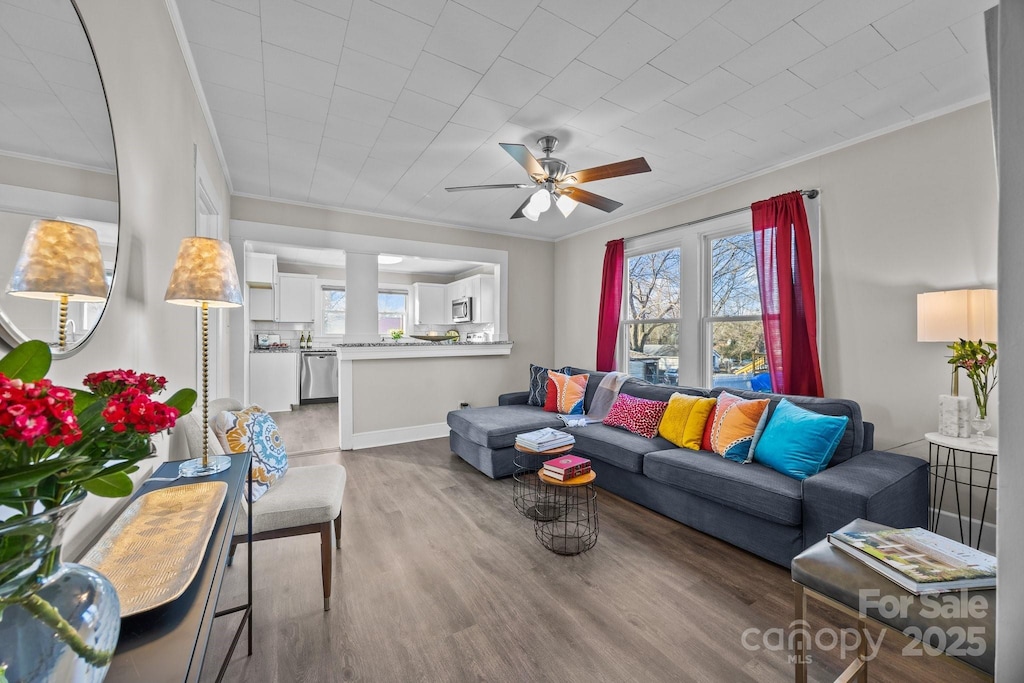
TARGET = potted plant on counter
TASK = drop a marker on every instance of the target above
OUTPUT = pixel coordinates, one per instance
(60, 621)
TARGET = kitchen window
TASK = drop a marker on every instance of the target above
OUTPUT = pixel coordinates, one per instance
(392, 310)
(332, 305)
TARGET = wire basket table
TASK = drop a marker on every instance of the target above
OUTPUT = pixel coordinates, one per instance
(526, 487)
(574, 527)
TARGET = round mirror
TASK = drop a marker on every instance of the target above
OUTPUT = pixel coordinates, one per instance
(58, 173)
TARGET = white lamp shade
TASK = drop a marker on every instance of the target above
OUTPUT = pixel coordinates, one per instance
(566, 205)
(541, 200)
(60, 259)
(204, 273)
(531, 212)
(959, 314)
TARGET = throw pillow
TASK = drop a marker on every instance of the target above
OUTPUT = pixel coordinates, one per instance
(799, 442)
(565, 393)
(253, 429)
(685, 418)
(735, 424)
(539, 384)
(638, 415)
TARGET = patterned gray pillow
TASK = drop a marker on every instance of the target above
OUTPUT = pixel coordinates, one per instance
(539, 384)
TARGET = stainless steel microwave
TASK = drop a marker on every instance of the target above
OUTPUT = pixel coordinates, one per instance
(462, 310)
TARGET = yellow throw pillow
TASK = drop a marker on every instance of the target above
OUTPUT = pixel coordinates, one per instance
(684, 420)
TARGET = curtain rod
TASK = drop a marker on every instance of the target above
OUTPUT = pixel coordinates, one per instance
(810, 194)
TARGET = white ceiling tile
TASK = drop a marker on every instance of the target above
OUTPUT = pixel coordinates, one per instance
(352, 132)
(82, 104)
(237, 127)
(708, 92)
(22, 74)
(770, 123)
(8, 48)
(601, 117)
(835, 94)
(922, 18)
(846, 56)
(874, 124)
(949, 96)
(246, 105)
(673, 17)
(659, 119)
(224, 68)
(908, 90)
(375, 180)
(621, 142)
(331, 182)
(774, 92)
(510, 83)
(291, 177)
(832, 20)
(298, 71)
(32, 29)
(643, 89)
(370, 75)
(422, 111)
(721, 118)
(543, 114)
(339, 8)
(400, 142)
(593, 16)
(579, 85)
(936, 49)
(301, 105)
(971, 33)
(467, 38)
(511, 14)
(66, 71)
(700, 51)
(385, 33)
(344, 154)
(546, 43)
(426, 11)
(752, 20)
(770, 150)
(720, 144)
(773, 53)
(480, 112)
(824, 124)
(441, 79)
(291, 128)
(282, 148)
(301, 28)
(221, 27)
(357, 106)
(675, 144)
(965, 70)
(249, 157)
(250, 6)
(627, 45)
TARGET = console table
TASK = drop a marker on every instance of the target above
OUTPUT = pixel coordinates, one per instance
(943, 452)
(169, 643)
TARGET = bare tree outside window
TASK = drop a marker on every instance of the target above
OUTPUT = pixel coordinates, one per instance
(652, 328)
(737, 333)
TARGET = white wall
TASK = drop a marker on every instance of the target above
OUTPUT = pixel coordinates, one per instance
(908, 212)
(156, 119)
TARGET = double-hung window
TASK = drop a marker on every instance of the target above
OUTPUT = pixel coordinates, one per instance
(652, 315)
(332, 309)
(392, 310)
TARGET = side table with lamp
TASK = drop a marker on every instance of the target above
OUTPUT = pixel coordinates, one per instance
(946, 455)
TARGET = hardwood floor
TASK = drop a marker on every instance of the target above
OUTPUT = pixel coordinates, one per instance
(440, 579)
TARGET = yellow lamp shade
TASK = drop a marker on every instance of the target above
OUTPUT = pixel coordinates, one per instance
(204, 274)
(60, 259)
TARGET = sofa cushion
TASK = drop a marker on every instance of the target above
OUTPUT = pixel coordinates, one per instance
(615, 446)
(637, 415)
(685, 418)
(750, 488)
(497, 426)
(539, 384)
(658, 392)
(565, 393)
(852, 442)
(799, 442)
(737, 424)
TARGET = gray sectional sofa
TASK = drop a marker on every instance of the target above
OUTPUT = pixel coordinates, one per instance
(750, 506)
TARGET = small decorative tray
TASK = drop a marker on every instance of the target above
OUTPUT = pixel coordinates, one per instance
(154, 549)
(435, 337)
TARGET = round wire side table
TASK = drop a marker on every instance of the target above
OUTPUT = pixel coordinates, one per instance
(526, 486)
(574, 527)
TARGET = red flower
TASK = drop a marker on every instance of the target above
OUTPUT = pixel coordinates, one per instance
(133, 409)
(34, 411)
(112, 382)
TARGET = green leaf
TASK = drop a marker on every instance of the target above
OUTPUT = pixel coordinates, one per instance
(183, 400)
(83, 399)
(29, 361)
(116, 485)
(28, 475)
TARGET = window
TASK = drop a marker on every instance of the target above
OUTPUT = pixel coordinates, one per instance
(653, 316)
(332, 305)
(733, 314)
(392, 305)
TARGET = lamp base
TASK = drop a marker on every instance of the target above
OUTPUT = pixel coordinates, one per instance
(195, 468)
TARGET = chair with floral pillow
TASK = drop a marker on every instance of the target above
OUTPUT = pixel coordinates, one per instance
(288, 502)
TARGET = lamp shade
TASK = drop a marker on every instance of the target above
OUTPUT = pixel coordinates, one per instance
(59, 259)
(204, 273)
(959, 314)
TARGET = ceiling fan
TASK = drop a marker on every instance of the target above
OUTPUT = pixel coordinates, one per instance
(557, 183)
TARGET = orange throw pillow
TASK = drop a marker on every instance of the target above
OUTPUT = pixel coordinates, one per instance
(565, 393)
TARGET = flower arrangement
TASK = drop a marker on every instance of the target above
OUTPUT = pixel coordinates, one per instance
(978, 359)
(396, 334)
(56, 444)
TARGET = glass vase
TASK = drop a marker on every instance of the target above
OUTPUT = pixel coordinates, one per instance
(981, 425)
(58, 621)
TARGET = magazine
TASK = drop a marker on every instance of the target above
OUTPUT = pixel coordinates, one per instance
(545, 439)
(918, 560)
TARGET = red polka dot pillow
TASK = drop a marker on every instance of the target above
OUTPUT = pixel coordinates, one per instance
(638, 415)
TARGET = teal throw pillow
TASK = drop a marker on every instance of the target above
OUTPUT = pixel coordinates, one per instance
(799, 442)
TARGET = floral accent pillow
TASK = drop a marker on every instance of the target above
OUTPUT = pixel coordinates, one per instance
(253, 429)
(638, 415)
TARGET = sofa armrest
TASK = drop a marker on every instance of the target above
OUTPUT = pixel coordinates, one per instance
(878, 486)
(515, 398)
(869, 436)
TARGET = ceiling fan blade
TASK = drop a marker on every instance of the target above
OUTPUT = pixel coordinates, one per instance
(589, 198)
(487, 187)
(619, 168)
(519, 211)
(525, 159)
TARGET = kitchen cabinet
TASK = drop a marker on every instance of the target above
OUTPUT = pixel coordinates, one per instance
(260, 270)
(481, 289)
(274, 380)
(261, 304)
(430, 303)
(296, 298)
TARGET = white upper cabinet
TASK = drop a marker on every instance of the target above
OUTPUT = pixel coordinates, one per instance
(260, 270)
(430, 303)
(479, 288)
(296, 298)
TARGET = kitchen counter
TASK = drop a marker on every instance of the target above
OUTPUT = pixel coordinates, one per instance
(425, 343)
(377, 350)
(274, 350)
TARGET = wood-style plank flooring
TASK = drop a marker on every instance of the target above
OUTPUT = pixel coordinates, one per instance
(440, 579)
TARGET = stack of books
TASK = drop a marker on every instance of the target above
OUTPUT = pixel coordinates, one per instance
(918, 560)
(566, 467)
(545, 439)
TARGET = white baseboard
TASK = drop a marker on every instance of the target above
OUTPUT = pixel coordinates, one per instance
(388, 437)
(949, 526)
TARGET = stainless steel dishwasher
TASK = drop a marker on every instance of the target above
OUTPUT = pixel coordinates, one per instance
(318, 377)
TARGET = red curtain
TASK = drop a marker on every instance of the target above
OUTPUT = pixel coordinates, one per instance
(785, 274)
(611, 305)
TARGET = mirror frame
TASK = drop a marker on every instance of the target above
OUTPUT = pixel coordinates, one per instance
(9, 331)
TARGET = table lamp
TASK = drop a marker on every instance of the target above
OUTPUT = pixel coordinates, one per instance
(204, 276)
(60, 261)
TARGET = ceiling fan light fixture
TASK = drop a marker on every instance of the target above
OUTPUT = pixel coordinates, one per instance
(531, 212)
(566, 205)
(541, 200)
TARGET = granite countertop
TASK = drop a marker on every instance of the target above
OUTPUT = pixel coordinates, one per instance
(423, 343)
(288, 350)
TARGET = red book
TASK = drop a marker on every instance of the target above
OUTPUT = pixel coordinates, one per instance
(562, 477)
(568, 466)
